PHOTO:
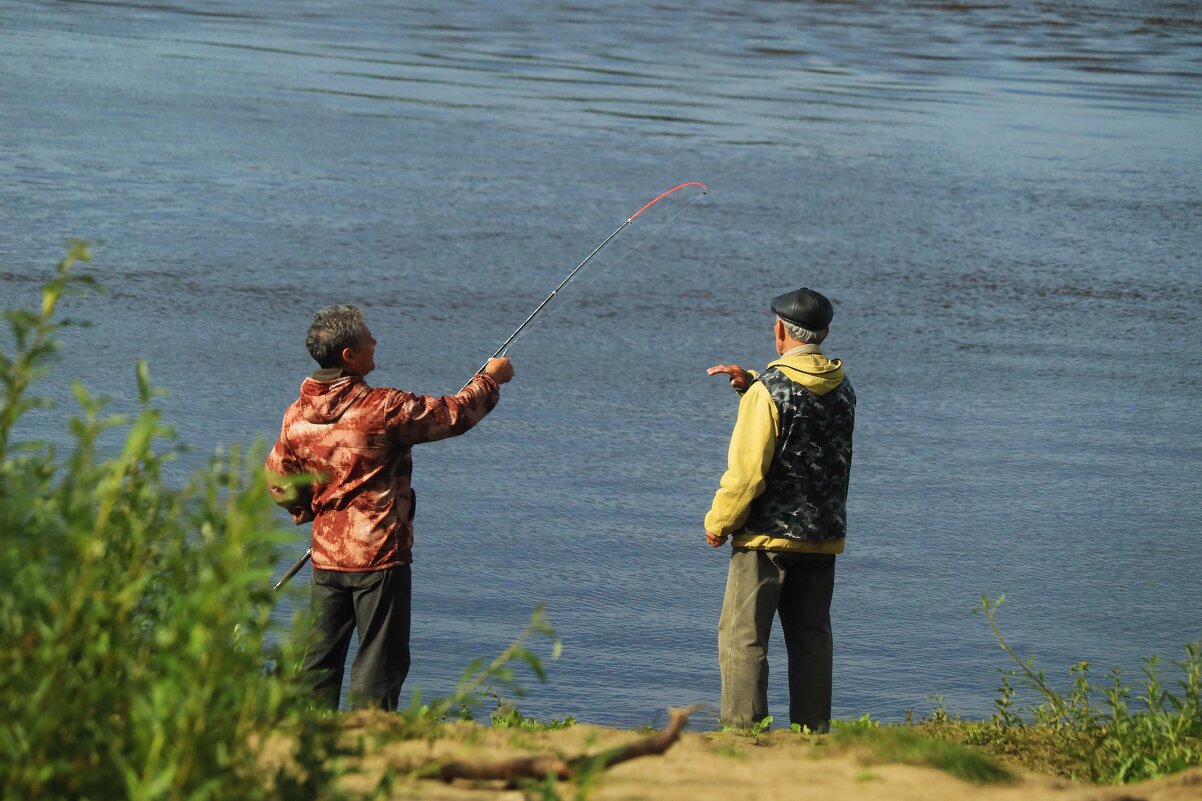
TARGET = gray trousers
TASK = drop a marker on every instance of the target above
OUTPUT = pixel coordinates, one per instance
(377, 604)
(797, 587)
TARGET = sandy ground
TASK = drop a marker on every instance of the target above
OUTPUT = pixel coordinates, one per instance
(704, 766)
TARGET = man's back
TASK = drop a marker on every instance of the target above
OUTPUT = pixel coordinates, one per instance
(805, 492)
(357, 440)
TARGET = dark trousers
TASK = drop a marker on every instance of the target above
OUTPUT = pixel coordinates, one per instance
(377, 605)
(759, 586)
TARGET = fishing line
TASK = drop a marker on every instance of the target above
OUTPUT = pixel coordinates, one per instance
(552, 310)
(516, 334)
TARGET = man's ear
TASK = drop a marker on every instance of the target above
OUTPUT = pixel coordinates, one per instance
(348, 356)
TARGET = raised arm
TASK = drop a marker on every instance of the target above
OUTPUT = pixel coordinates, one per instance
(413, 419)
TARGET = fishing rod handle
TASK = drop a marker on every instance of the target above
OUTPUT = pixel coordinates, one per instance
(292, 571)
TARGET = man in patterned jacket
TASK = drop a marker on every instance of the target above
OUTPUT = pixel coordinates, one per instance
(355, 441)
(783, 503)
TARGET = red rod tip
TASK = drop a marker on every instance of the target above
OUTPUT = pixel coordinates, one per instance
(704, 190)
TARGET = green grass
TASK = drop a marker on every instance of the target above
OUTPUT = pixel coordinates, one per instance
(1094, 733)
(905, 745)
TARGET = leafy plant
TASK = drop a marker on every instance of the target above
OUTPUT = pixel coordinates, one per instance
(1103, 738)
(137, 658)
(939, 714)
(507, 716)
(865, 721)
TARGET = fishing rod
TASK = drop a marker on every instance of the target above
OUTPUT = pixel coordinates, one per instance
(296, 566)
(505, 345)
(299, 563)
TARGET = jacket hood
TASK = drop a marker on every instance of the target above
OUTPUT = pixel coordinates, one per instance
(327, 401)
(813, 371)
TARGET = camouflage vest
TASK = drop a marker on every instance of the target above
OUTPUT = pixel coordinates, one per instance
(805, 497)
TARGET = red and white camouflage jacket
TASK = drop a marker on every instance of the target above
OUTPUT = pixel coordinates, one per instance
(357, 440)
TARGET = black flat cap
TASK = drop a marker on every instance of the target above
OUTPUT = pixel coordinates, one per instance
(804, 307)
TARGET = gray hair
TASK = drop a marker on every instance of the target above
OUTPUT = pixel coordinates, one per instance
(804, 335)
(333, 329)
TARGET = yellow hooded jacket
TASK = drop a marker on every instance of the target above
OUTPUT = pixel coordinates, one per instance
(752, 445)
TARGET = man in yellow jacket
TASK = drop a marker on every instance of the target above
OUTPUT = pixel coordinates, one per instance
(783, 504)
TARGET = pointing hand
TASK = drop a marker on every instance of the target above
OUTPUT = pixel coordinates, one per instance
(740, 379)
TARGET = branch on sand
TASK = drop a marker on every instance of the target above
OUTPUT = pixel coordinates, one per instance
(511, 771)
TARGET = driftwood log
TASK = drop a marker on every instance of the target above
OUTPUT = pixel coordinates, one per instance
(511, 771)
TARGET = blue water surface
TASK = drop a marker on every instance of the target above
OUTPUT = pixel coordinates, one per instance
(1004, 200)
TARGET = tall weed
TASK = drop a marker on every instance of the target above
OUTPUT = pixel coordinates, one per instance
(134, 616)
(1103, 737)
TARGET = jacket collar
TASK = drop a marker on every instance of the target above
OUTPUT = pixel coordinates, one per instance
(327, 374)
(800, 349)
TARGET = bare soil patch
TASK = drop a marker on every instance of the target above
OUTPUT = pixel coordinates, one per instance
(699, 767)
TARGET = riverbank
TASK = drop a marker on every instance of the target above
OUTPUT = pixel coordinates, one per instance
(894, 762)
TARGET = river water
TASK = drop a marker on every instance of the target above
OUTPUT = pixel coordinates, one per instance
(1004, 199)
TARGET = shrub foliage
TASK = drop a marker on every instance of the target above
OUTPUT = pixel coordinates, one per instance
(135, 660)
